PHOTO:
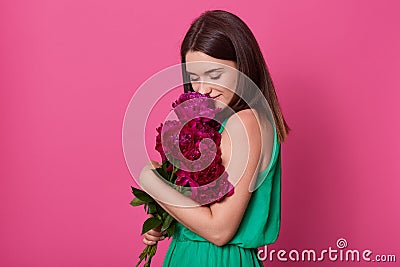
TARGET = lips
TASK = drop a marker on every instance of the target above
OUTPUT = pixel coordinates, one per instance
(215, 96)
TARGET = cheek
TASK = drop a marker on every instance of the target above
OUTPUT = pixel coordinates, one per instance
(229, 82)
(223, 86)
(227, 93)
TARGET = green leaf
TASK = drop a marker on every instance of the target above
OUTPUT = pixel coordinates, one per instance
(170, 230)
(137, 202)
(141, 195)
(165, 165)
(167, 222)
(160, 210)
(152, 208)
(150, 223)
(161, 171)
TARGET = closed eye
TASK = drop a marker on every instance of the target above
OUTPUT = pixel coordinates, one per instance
(192, 78)
(216, 77)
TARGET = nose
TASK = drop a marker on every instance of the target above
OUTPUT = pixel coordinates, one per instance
(201, 87)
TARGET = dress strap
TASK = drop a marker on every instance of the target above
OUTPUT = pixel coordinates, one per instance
(223, 125)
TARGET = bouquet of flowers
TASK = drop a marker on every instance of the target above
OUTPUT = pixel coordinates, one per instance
(191, 162)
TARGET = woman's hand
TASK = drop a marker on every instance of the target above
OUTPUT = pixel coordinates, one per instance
(154, 235)
(155, 163)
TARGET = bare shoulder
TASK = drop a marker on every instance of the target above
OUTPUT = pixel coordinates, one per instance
(246, 118)
(246, 128)
(241, 142)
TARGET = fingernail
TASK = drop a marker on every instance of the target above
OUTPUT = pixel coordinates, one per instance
(164, 232)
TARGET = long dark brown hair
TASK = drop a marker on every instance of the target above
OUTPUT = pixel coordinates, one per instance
(223, 35)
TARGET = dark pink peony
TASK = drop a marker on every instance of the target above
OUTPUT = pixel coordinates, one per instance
(210, 183)
(192, 105)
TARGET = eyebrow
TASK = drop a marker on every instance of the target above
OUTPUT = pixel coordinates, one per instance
(206, 72)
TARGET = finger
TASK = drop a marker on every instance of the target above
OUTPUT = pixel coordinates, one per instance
(153, 238)
(155, 163)
(155, 233)
(147, 242)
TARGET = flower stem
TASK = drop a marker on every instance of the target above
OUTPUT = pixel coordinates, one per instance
(148, 252)
(174, 169)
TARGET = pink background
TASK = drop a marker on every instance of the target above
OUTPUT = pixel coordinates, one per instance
(69, 69)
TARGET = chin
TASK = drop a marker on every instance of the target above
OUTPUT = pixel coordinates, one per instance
(220, 105)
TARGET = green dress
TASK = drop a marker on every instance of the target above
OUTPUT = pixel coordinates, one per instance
(259, 226)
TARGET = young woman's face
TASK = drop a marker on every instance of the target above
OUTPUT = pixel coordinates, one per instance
(214, 76)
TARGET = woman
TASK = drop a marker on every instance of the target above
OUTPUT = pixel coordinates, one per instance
(228, 233)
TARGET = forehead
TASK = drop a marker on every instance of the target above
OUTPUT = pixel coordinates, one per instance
(198, 62)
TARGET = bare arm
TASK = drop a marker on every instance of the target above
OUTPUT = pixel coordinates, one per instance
(240, 155)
